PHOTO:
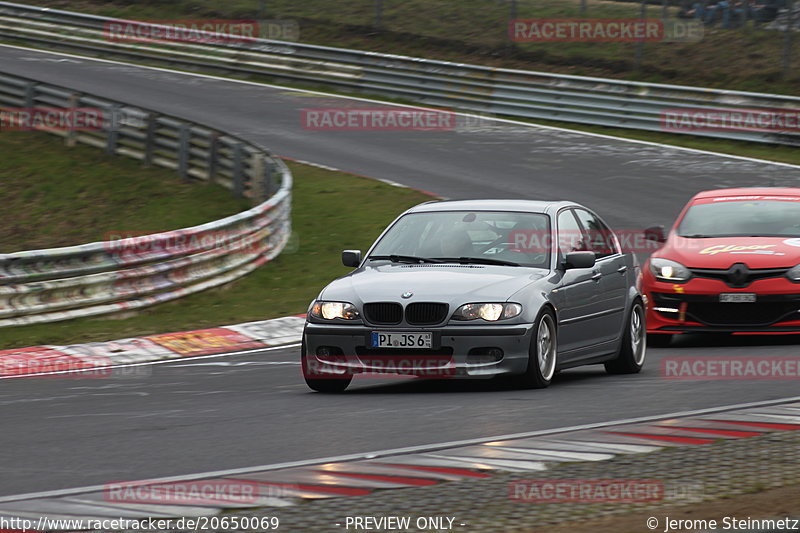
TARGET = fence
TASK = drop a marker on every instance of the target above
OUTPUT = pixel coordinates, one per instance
(122, 275)
(495, 91)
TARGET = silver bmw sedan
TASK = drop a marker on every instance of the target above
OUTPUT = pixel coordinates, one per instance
(476, 289)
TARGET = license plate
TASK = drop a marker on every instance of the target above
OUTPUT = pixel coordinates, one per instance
(400, 339)
(737, 297)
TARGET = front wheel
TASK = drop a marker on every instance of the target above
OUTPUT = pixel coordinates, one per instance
(320, 382)
(542, 355)
(630, 359)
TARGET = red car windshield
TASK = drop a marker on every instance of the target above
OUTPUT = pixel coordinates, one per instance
(742, 218)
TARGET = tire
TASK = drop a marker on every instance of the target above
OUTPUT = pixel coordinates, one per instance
(329, 385)
(633, 349)
(659, 340)
(542, 354)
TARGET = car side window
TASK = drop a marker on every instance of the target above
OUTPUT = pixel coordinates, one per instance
(570, 235)
(599, 237)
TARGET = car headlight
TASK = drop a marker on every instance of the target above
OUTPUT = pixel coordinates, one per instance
(333, 310)
(487, 311)
(794, 274)
(671, 271)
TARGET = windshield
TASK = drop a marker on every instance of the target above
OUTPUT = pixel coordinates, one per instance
(742, 218)
(483, 236)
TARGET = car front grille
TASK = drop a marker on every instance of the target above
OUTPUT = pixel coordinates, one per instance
(738, 314)
(416, 314)
(426, 314)
(708, 310)
(383, 313)
(739, 275)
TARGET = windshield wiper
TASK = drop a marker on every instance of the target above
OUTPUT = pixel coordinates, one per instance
(404, 258)
(696, 236)
(477, 260)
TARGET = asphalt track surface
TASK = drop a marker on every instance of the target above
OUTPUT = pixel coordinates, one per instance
(202, 415)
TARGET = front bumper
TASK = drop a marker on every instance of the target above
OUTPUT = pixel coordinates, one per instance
(695, 307)
(457, 351)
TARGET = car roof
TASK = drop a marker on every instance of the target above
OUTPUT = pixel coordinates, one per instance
(749, 191)
(532, 206)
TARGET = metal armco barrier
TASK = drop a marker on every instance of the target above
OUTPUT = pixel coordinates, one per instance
(137, 271)
(494, 91)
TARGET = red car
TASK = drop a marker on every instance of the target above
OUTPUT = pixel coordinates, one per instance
(731, 263)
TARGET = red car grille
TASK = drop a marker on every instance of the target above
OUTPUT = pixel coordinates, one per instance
(739, 275)
(708, 310)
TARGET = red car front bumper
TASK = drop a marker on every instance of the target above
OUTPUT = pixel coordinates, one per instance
(695, 306)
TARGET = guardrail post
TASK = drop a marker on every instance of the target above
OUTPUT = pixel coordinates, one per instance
(183, 150)
(71, 138)
(512, 16)
(112, 137)
(744, 15)
(238, 170)
(787, 42)
(378, 14)
(640, 44)
(30, 94)
(149, 138)
(258, 182)
(268, 181)
(213, 155)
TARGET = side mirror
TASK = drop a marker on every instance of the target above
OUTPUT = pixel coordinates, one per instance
(579, 260)
(351, 258)
(655, 233)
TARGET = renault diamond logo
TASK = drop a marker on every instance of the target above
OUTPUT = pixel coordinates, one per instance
(738, 275)
(407, 294)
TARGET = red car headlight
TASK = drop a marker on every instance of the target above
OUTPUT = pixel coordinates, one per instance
(669, 271)
(794, 274)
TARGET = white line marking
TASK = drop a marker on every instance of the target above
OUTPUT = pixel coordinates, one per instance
(317, 165)
(559, 454)
(425, 448)
(780, 417)
(605, 446)
(371, 100)
(514, 465)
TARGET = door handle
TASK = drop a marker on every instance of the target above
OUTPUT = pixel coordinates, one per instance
(622, 269)
(597, 276)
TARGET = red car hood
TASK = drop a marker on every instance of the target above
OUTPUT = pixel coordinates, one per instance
(722, 252)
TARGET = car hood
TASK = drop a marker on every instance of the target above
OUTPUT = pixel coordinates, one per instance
(722, 252)
(429, 283)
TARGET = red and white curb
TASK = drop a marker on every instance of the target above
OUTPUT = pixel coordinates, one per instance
(98, 355)
(362, 474)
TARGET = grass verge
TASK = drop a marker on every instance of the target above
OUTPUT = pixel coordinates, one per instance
(58, 196)
(331, 211)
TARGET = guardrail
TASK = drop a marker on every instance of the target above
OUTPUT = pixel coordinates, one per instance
(495, 91)
(127, 274)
